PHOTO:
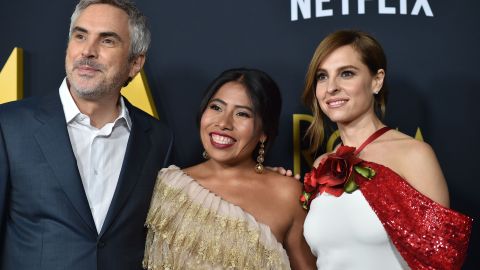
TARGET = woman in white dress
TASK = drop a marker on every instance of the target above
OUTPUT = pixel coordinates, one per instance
(379, 200)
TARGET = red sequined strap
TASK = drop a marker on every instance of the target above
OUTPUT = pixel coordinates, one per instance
(426, 234)
(372, 138)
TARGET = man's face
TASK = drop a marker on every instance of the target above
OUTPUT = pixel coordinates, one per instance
(96, 61)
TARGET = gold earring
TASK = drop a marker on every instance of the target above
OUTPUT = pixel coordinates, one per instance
(261, 151)
(205, 155)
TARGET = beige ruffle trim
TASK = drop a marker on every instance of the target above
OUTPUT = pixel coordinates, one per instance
(189, 227)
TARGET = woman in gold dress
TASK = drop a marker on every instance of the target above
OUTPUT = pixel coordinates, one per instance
(228, 212)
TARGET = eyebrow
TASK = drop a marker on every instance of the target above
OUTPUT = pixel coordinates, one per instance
(79, 29)
(236, 106)
(340, 68)
(102, 34)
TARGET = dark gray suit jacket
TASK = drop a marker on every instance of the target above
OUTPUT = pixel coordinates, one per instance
(46, 222)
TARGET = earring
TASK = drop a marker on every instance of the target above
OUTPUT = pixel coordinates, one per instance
(205, 155)
(261, 151)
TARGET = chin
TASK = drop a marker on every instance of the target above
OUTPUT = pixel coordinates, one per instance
(335, 117)
(228, 160)
(340, 119)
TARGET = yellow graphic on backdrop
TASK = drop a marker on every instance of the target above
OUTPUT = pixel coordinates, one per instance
(138, 93)
(297, 140)
(418, 135)
(11, 85)
(11, 77)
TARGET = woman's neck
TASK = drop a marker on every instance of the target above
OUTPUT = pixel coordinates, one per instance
(356, 132)
(233, 170)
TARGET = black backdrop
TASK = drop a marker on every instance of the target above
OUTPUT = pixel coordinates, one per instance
(433, 62)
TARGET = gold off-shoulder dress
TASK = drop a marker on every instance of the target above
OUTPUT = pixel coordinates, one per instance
(189, 227)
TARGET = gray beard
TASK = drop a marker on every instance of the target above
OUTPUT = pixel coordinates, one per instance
(103, 89)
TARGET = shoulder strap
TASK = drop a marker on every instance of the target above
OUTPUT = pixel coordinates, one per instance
(372, 138)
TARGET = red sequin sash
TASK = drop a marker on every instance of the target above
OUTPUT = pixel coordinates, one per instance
(427, 235)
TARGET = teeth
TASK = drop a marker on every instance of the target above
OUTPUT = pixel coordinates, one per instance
(336, 103)
(221, 139)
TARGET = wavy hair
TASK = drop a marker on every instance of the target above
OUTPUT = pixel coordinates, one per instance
(371, 54)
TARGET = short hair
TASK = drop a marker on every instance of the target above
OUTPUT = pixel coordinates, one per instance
(263, 92)
(137, 23)
(371, 54)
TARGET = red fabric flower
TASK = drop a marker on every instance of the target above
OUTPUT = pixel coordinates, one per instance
(334, 171)
(332, 175)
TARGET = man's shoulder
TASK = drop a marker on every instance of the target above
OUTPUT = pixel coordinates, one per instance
(27, 106)
(29, 103)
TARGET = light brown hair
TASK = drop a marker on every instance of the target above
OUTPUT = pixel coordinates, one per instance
(371, 54)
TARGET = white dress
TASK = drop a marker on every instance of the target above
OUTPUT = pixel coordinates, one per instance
(344, 233)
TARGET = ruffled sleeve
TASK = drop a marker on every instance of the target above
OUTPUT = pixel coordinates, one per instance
(190, 227)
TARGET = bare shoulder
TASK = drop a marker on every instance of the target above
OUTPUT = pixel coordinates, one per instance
(285, 188)
(197, 171)
(411, 150)
(193, 168)
(417, 163)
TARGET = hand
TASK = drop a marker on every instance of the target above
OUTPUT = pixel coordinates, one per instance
(283, 171)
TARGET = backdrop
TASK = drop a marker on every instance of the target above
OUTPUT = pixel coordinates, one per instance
(432, 49)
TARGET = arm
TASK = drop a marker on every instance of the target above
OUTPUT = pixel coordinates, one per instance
(423, 172)
(283, 171)
(297, 248)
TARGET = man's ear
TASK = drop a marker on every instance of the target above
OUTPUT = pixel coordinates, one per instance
(136, 65)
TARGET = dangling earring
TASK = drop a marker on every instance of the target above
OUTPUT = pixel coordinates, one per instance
(261, 151)
(205, 155)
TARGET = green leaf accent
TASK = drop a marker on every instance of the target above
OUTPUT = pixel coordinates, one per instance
(350, 186)
(366, 172)
(305, 206)
(306, 196)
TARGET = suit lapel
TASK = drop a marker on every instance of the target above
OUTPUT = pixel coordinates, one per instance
(54, 141)
(139, 144)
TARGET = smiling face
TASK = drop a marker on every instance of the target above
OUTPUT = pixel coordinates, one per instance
(345, 86)
(96, 61)
(228, 127)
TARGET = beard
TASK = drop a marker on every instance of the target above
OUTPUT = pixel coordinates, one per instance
(94, 88)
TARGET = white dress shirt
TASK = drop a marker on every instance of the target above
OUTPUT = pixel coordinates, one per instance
(99, 153)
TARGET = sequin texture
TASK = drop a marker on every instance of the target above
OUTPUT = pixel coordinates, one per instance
(427, 235)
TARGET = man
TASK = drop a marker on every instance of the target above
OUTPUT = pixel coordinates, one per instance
(77, 168)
